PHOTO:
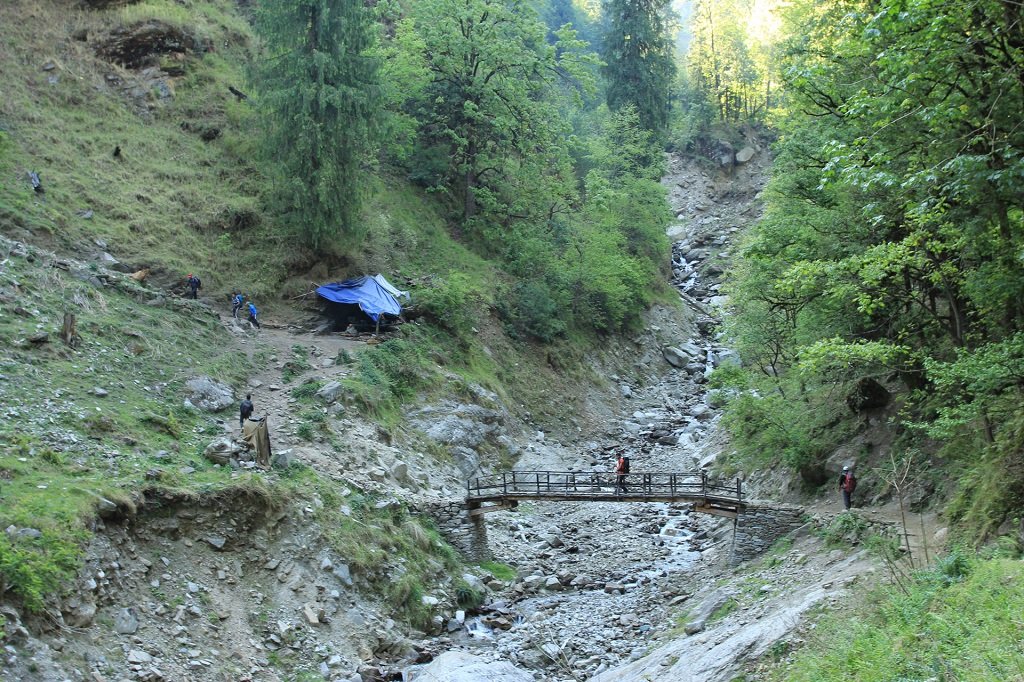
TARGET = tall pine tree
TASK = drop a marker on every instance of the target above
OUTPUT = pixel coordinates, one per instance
(319, 96)
(639, 54)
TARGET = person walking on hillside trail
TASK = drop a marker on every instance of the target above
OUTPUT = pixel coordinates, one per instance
(245, 409)
(252, 316)
(237, 301)
(847, 484)
(621, 470)
(194, 285)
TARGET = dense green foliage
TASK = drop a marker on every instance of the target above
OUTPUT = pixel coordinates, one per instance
(729, 61)
(960, 621)
(484, 102)
(640, 62)
(892, 243)
(319, 98)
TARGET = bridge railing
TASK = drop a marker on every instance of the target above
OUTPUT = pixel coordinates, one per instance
(694, 484)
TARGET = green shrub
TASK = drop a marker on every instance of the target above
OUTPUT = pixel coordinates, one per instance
(389, 374)
(452, 303)
(307, 390)
(532, 308)
(306, 432)
(467, 597)
(35, 568)
(847, 529)
(499, 570)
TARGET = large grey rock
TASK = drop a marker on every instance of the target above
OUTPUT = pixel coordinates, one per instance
(222, 450)
(400, 471)
(474, 582)
(745, 154)
(467, 460)
(459, 666)
(330, 391)
(702, 612)
(681, 355)
(674, 356)
(80, 614)
(458, 424)
(126, 622)
(209, 395)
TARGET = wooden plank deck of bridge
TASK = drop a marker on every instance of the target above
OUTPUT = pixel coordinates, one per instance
(506, 490)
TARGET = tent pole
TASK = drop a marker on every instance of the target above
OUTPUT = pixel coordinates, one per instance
(377, 330)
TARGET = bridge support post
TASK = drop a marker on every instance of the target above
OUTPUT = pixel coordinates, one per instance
(464, 531)
(732, 550)
(759, 527)
(478, 549)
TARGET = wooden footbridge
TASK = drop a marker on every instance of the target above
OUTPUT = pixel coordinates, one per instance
(505, 490)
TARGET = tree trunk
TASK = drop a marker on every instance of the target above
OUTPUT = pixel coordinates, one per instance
(469, 195)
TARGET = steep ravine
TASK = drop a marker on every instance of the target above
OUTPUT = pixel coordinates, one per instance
(229, 587)
(610, 591)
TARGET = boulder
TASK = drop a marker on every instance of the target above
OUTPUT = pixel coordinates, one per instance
(222, 450)
(80, 614)
(458, 424)
(868, 394)
(459, 666)
(330, 392)
(139, 45)
(474, 582)
(209, 395)
(700, 411)
(400, 471)
(700, 614)
(745, 154)
(126, 622)
(467, 460)
(681, 355)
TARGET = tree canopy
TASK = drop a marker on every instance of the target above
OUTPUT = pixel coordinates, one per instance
(319, 95)
(892, 242)
(640, 60)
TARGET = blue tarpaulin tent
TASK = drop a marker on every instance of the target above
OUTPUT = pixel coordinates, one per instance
(365, 292)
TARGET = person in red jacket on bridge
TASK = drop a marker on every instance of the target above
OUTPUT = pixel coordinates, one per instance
(621, 469)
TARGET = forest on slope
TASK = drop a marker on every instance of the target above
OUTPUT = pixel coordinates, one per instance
(887, 275)
(891, 250)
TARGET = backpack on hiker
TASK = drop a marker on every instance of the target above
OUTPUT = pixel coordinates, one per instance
(624, 469)
(850, 482)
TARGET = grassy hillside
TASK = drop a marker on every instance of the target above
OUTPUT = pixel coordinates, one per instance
(960, 621)
(182, 194)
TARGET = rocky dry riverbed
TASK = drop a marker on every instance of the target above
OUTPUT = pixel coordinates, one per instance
(623, 591)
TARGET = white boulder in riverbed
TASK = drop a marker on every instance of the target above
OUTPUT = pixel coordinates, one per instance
(459, 666)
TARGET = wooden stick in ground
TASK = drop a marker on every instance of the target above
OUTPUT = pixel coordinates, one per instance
(69, 332)
(924, 539)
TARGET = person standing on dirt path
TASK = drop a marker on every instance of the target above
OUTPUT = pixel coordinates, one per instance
(245, 409)
(252, 315)
(194, 285)
(237, 301)
(847, 484)
(621, 470)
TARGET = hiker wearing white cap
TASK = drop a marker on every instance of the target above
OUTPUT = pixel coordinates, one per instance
(847, 483)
